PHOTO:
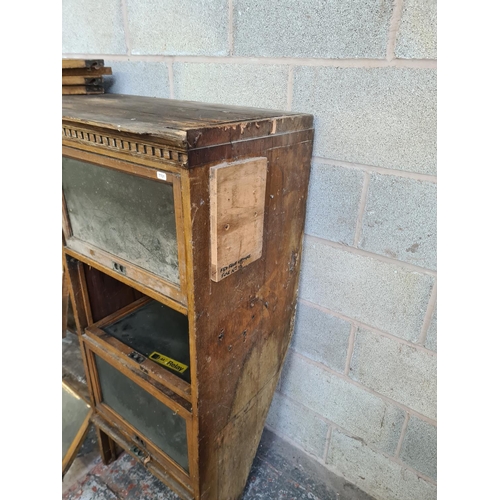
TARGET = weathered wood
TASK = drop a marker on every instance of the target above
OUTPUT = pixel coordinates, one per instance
(65, 302)
(83, 317)
(94, 72)
(76, 444)
(237, 192)
(120, 350)
(188, 125)
(164, 299)
(82, 89)
(238, 442)
(126, 147)
(81, 80)
(107, 295)
(240, 326)
(167, 398)
(88, 187)
(128, 444)
(78, 293)
(249, 317)
(70, 324)
(82, 63)
(107, 447)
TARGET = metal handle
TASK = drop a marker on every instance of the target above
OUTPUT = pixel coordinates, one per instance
(144, 458)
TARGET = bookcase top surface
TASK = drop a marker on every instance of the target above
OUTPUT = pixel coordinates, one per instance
(178, 122)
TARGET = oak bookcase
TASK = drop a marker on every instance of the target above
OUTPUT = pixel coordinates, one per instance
(183, 225)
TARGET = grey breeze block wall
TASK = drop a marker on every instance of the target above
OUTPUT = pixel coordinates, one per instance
(358, 390)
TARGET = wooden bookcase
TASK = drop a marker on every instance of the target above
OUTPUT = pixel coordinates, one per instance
(183, 223)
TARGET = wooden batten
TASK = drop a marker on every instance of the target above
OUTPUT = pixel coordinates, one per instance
(82, 63)
(93, 72)
(237, 192)
(81, 80)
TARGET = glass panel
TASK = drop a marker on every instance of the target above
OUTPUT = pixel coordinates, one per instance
(159, 332)
(74, 411)
(126, 215)
(150, 417)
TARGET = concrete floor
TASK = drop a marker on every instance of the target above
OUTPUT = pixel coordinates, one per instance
(279, 472)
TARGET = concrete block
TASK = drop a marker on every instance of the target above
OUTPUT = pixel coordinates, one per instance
(254, 85)
(400, 220)
(321, 337)
(138, 78)
(92, 27)
(377, 116)
(398, 371)
(179, 27)
(311, 28)
(333, 202)
(417, 35)
(431, 339)
(420, 447)
(375, 473)
(299, 424)
(357, 411)
(385, 296)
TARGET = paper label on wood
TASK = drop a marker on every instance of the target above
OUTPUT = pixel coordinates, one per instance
(237, 200)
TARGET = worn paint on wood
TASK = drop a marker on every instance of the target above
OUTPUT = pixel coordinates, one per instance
(244, 322)
(187, 125)
(239, 327)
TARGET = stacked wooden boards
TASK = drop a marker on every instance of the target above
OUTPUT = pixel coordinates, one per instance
(83, 76)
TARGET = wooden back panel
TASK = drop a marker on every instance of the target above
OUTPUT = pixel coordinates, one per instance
(107, 295)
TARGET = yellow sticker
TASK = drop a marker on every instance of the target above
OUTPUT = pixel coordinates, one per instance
(168, 362)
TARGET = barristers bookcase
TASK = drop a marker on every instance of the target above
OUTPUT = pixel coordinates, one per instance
(183, 225)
